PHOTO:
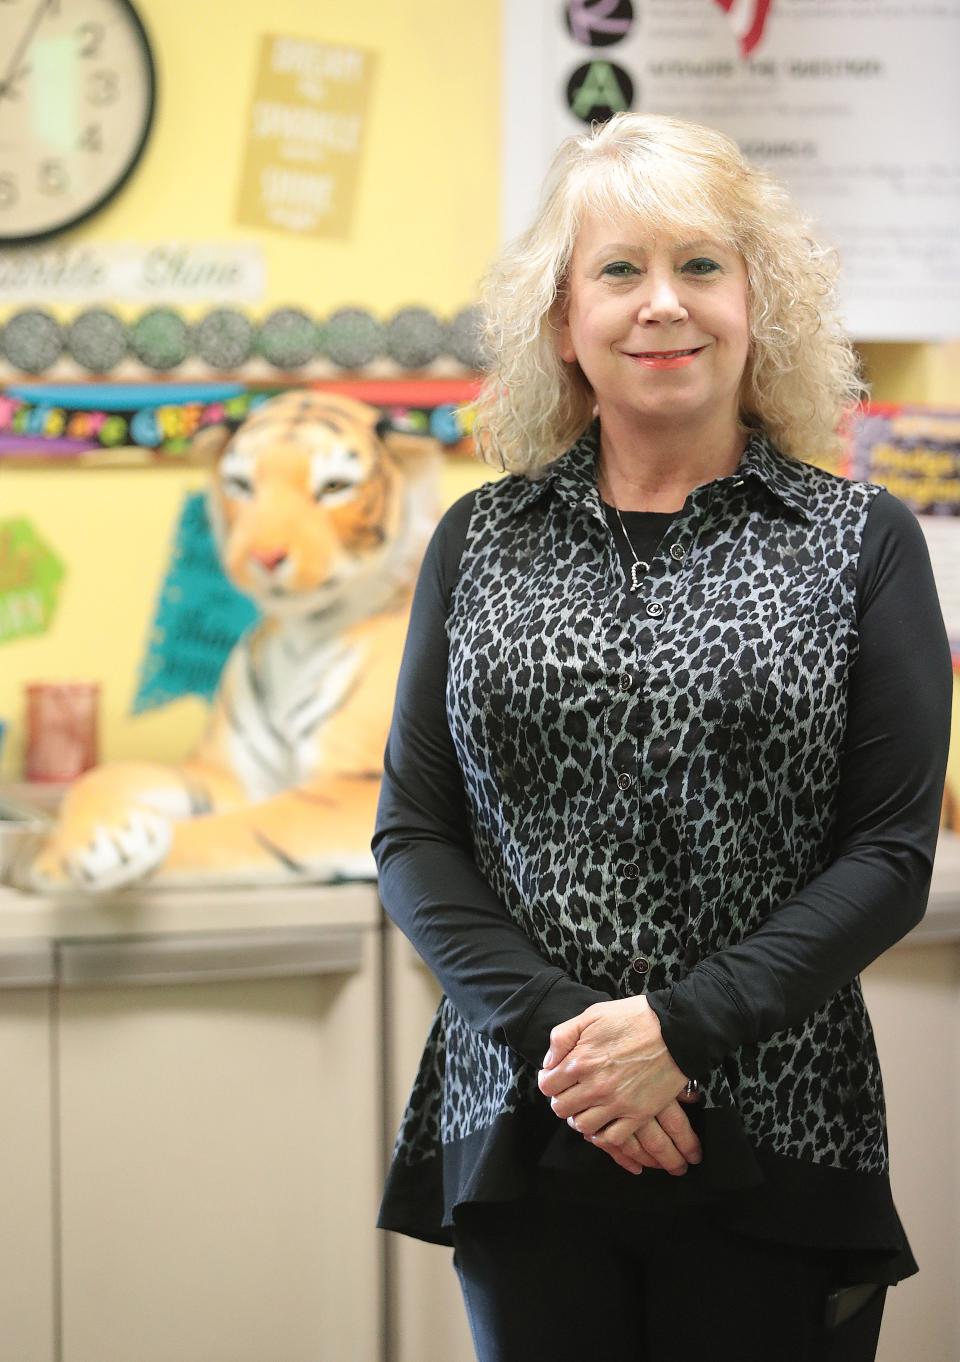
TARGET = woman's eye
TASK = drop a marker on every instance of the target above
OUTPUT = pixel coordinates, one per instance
(619, 268)
(708, 266)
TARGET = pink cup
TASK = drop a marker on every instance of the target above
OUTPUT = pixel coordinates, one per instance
(61, 729)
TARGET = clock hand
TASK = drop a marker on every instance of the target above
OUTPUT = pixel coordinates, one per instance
(10, 89)
(22, 46)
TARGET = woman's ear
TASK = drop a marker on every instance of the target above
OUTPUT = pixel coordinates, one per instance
(560, 326)
(565, 345)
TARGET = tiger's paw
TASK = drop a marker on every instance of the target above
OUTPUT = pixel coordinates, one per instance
(108, 858)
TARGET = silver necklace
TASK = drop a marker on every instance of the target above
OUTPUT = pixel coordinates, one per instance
(639, 566)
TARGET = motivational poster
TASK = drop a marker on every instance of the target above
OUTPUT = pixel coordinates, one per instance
(914, 452)
(305, 136)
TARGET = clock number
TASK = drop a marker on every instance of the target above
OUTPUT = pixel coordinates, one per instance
(91, 139)
(103, 87)
(53, 177)
(91, 37)
(8, 191)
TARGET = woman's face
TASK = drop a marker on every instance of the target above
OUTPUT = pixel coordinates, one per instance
(634, 300)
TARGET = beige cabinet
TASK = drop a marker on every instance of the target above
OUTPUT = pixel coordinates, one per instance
(913, 994)
(28, 1246)
(427, 1319)
(194, 1157)
(199, 1096)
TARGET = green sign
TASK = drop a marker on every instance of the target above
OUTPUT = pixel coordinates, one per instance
(29, 575)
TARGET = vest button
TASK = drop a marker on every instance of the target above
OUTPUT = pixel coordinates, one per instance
(677, 552)
(626, 681)
(624, 781)
(654, 608)
(641, 965)
(631, 870)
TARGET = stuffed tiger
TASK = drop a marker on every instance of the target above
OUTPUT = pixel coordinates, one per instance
(321, 515)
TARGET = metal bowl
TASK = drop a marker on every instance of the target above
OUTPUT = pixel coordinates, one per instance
(23, 830)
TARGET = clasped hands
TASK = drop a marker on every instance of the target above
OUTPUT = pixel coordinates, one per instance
(609, 1075)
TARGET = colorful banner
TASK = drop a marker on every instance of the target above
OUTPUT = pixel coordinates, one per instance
(914, 452)
(439, 407)
(67, 422)
(152, 423)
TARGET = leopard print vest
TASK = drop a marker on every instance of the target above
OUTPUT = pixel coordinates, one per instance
(645, 786)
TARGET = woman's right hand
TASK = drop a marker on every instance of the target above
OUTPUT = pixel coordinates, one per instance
(667, 1142)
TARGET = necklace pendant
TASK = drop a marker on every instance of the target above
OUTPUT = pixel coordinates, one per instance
(635, 572)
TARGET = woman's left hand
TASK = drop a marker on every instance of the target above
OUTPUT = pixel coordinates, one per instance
(608, 1070)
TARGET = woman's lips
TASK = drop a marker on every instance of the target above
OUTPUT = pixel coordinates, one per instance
(667, 359)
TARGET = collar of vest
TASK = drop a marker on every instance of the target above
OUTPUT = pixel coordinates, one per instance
(573, 474)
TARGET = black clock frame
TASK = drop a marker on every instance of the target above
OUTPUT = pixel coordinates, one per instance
(30, 239)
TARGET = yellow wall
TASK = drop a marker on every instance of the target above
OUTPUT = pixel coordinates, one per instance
(114, 530)
(914, 373)
(426, 221)
(427, 207)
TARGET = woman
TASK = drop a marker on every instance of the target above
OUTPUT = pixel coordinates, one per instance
(664, 775)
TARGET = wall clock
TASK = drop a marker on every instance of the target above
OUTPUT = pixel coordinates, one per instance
(77, 92)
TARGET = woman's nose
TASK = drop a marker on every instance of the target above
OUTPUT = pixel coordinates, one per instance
(660, 301)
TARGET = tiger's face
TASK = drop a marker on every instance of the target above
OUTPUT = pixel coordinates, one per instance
(309, 499)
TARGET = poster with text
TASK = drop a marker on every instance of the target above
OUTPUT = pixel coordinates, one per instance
(305, 137)
(853, 104)
(914, 452)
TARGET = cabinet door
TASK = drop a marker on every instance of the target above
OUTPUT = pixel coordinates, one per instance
(428, 1321)
(221, 1164)
(913, 996)
(27, 1176)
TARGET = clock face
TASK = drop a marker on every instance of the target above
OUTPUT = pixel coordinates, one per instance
(76, 104)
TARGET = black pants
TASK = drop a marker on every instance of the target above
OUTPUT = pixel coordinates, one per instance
(551, 1281)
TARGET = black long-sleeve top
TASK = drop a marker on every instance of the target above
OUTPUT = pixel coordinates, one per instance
(872, 893)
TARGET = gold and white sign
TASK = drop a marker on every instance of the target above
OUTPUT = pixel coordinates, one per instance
(305, 137)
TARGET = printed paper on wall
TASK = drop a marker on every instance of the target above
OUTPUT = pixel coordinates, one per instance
(855, 106)
(305, 137)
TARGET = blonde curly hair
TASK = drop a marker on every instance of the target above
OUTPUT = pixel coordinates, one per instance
(802, 372)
